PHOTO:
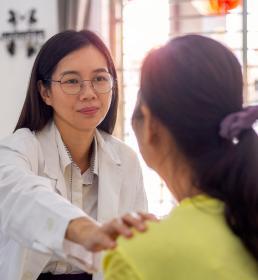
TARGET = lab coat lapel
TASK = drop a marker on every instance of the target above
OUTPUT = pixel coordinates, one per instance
(51, 169)
(110, 180)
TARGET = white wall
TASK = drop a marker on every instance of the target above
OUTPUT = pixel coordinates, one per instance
(15, 70)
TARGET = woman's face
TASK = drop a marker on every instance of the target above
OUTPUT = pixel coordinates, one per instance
(87, 109)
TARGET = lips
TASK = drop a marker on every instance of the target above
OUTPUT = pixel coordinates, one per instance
(89, 111)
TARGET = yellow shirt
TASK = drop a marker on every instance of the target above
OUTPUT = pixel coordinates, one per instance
(194, 242)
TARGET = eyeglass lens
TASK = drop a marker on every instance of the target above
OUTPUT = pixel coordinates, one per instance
(72, 83)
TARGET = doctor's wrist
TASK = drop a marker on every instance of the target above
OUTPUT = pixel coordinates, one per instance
(80, 229)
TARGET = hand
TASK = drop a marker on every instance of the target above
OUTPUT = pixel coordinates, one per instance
(96, 237)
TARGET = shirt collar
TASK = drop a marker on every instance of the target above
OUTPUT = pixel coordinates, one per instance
(65, 157)
(202, 199)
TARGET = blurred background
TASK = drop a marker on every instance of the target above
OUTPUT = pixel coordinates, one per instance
(130, 28)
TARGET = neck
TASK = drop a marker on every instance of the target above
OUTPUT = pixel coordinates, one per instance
(79, 145)
(178, 177)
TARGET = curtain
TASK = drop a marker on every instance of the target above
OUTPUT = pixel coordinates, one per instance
(74, 14)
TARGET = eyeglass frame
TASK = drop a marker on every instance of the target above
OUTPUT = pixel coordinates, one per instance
(82, 85)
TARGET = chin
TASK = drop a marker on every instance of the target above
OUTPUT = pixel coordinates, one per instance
(89, 123)
(86, 127)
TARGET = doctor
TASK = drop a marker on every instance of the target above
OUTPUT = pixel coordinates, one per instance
(63, 175)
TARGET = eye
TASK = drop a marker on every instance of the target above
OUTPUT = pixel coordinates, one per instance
(71, 81)
(101, 78)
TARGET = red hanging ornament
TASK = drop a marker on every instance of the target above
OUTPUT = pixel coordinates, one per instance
(223, 6)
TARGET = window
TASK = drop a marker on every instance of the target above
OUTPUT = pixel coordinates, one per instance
(146, 24)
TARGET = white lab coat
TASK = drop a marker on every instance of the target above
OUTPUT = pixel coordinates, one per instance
(34, 211)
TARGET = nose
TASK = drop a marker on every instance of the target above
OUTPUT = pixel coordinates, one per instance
(87, 91)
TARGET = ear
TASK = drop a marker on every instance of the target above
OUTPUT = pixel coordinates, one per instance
(150, 128)
(44, 93)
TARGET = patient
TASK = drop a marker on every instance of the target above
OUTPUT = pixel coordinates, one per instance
(189, 129)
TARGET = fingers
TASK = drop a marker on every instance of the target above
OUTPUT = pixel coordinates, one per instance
(96, 237)
(125, 224)
(90, 234)
(135, 220)
(102, 241)
(148, 217)
(105, 236)
(117, 227)
(138, 220)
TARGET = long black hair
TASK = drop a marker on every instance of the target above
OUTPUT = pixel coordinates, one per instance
(191, 84)
(35, 113)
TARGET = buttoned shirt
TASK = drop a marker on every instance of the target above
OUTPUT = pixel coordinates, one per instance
(82, 191)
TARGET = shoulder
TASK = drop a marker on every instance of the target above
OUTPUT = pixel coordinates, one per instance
(197, 242)
(22, 139)
(185, 231)
(189, 231)
(166, 240)
(20, 147)
(149, 242)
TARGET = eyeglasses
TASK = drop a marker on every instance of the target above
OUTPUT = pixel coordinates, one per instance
(72, 83)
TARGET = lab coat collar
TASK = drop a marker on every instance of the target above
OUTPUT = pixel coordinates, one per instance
(107, 147)
(48, 141)
(110, 177)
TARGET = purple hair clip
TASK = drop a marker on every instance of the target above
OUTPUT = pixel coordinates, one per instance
(233, 124)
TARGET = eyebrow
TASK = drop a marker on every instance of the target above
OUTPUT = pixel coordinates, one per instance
(76, 72)
(100, 70)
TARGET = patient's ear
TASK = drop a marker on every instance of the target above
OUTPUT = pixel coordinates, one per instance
(150, 127)
(44, 92)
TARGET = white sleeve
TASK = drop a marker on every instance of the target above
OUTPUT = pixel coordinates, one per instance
(31, 212)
